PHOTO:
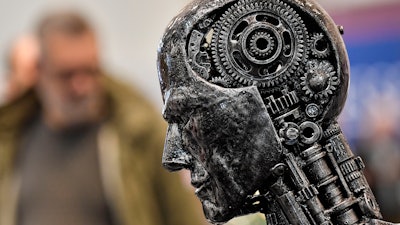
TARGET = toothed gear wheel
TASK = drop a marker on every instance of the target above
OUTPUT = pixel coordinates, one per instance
(320, 80)
(319, 46)
(221, 81)
(259, 42)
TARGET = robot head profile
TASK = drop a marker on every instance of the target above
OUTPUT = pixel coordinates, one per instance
(252, 90)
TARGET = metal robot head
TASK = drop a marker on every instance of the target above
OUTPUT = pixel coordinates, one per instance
(242, 82)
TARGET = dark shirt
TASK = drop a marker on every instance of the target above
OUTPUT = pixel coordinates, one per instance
(60, 177)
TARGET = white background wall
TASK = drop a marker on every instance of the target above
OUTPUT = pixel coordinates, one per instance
(129, 31)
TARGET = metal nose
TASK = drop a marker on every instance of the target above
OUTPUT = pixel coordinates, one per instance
(174, 156)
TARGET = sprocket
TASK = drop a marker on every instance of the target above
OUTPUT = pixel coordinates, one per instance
(259, 42)
(221, 81)
(319, 46)
(321, 80)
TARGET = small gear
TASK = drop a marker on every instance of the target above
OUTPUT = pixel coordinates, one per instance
(221, 81)
(319, 46)
(259, 43)
(320, 79)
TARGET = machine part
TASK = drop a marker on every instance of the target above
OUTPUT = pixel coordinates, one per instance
(290, 133)
(198, 59)
(319, 46)
(320, 79)
(313, 110)
(279, 105)
(260, 42)
(310, 132)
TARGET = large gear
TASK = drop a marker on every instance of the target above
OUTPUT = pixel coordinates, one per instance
(259, 42)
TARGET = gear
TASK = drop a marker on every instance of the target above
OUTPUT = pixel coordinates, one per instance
(220, 81)
(320, 80)
(259, 42)
(319, 46)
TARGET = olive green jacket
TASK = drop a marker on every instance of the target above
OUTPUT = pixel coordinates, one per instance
(138, 189)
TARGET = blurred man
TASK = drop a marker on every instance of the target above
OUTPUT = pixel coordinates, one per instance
(81, 148)
(22, 60)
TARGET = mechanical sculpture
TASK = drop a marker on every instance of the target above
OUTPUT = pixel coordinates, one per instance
(252, 91)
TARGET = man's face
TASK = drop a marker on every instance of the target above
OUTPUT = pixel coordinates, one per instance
(69, 85)
(225, 137)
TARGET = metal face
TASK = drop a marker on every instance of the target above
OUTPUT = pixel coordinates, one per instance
(226, 139)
